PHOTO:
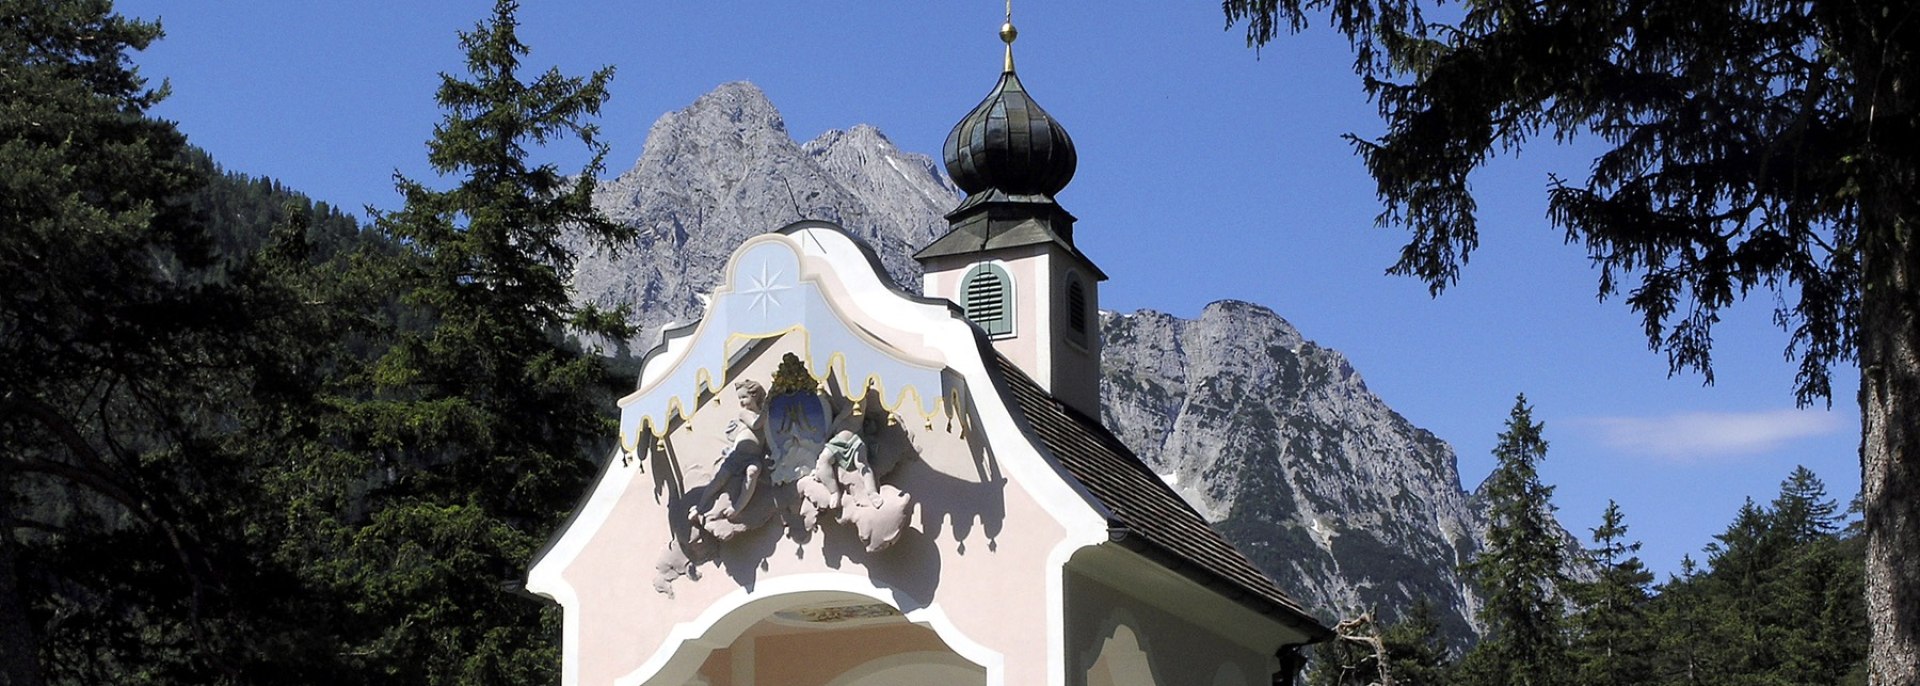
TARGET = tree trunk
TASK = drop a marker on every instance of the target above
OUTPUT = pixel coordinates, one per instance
(19, 640)
(1890, 477)
(1889, 340)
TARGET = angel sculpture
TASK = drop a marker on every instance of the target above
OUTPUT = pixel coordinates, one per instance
(745, 457)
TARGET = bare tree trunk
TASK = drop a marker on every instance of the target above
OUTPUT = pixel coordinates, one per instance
(1890, 457)
(1889, 339)
(19, 641)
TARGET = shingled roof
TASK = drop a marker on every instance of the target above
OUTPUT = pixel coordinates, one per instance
(1147, 515)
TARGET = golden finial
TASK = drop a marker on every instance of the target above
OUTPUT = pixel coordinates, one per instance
(1007, 34)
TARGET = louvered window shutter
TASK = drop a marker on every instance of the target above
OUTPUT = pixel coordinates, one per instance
(1077, 311)
(989, 302)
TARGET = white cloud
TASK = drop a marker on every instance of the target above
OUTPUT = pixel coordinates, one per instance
(1696, 435)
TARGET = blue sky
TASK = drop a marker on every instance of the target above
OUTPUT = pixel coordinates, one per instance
(1207, 172)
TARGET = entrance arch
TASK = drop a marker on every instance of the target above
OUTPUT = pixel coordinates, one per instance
(830, 630)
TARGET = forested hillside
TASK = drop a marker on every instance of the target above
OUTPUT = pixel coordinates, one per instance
(248, 441)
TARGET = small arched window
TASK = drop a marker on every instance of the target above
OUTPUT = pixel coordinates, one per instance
(987, 295)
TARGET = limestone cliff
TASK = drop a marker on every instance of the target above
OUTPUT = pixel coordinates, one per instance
(725, 168)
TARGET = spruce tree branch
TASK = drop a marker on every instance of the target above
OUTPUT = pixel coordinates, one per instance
(99, 478)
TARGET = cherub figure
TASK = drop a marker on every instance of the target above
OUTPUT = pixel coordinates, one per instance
(744, 458)
(847, 451)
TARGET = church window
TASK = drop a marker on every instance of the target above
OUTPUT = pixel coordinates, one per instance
(1077, 310)
(987, 293)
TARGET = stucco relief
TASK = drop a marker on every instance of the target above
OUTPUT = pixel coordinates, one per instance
(798, 454)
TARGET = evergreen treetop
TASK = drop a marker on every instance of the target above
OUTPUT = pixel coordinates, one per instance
(477, 421)
(1612, 644)
(1520, 570)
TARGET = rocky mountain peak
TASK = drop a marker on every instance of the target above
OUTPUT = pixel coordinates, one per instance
(740, 104)
(1278, 442)
(909, 186)
(723, 169)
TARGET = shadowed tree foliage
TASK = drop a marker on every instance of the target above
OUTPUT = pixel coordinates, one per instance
(1681, 622)
(1612, 644)
(1420, 655)
(155, 360)
(1814, 587)
(1519, 573)
(1412, 648)
(1781, 603)
(461, 439)
(1748, 145)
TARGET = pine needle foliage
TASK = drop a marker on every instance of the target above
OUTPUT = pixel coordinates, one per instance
(1520, 572)
(155, 369)
(475, 420)
(1745, 147)
(1612, 642)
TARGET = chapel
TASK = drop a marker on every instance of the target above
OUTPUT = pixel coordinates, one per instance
(826, 481)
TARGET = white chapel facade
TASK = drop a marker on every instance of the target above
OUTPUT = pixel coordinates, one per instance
(828, 482)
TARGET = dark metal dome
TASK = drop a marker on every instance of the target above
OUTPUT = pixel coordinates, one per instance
(1008, 143)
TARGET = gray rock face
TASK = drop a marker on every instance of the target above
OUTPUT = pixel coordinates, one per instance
(1275, 439)
(724, 169)
(1279, 443)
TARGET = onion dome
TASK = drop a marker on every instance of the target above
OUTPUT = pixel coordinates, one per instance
(1011, 158)
(1008, 143)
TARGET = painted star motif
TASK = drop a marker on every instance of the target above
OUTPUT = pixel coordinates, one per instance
(764, 290)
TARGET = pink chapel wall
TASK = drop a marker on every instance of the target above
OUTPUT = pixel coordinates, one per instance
(1118, 639)
(1031, 315)
(977, 549)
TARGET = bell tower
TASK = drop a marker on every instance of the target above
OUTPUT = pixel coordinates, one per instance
(1008, 258)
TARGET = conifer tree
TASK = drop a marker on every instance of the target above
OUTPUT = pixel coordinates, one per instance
(476, 425)
(150, 373)
(1741, 146)
(86, 222)
(1814, 590)
(1413, 643)
(1802, 512)
(1686, 655)
(1520, 571)
(1742, 561)
(1612, 645)
(1781, 603)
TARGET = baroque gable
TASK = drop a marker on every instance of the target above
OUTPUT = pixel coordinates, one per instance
(819, 451)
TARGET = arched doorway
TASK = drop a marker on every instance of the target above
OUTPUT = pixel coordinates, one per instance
(819, 639)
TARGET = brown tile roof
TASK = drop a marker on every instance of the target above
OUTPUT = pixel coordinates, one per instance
(1147, 515)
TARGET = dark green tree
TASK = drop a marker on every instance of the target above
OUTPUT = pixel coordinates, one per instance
(1612, 643)
(1748, 146)
(150, 373)
(1519, 573)
(1683, 623)
(1814, 590)
(1781, 603)
(1802, 512)
(473, 424)
(1419, 655)
(1743, 561)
